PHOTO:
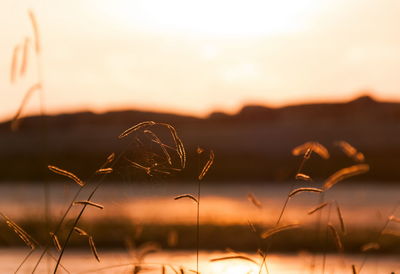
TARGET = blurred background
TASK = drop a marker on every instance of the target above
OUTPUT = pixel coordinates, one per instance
(249, 80)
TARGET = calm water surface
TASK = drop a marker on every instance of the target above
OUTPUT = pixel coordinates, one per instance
(118, 262)
(366, 205)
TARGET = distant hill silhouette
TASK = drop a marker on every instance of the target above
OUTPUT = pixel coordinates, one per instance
(252, 145)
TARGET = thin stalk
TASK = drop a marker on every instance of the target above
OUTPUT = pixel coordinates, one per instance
(318, 229)
(291, 189)
(82, 211)
(264, 263)
(58, 227)
(198, 226)
(392, 212)
(301, 166)
(24, 260)
(75, 224)
(326, 240)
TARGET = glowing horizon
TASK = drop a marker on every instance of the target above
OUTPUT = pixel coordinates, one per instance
(192, 59)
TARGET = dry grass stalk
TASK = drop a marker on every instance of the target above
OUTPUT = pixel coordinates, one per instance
(278, 229)
(254, 200)
(304, 189)
(186, 196)
(179, 145)
(336, 236)
(139, 166)
(303, 177)
(66, 174)
(344, 174)
(234, 257)
(318, 207)
(56, 242)
(80, 231)
(207, 165)
(351, 151)
(110, 158)
(22, 234)
(306, 148)
(341, 220)
(90, 203)
(14, 64)
(307, 154)
(252, 227)
(104, 170)
(391, 232)
(393, 218)
(146, 249)
(25, 55)
(136, 127)
(353, 267)
(157, 140)
(35, 31)
(370, 246)
(162, 171)
(163, 270)
(28, 94)
(93, 248)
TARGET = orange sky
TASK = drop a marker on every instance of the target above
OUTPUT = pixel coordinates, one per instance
(197, 56)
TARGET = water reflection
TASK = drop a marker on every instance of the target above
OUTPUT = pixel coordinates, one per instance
(117, 262)
(221, 204)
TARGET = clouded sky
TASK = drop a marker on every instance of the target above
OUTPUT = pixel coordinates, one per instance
(197, 56)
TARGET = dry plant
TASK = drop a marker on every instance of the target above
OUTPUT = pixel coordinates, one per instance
(203, 172)
(306, 150)
(19, 66)
(158, 164)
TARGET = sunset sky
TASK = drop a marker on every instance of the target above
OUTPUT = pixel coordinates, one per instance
(194, 57)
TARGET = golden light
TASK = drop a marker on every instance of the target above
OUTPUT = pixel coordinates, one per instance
(210, 17)
(234, 267)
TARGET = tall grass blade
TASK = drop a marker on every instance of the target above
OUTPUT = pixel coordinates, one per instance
(90, 203)
(318, 207)
(314, 146)
(278, 229)
(22, 234)
(157, 140)
(336, 237)
(235, 257)
(28, 94)
(80, 231)
(303, 177)
(207, 165)
(370, 246)
(136, 127)
(104, 170)
(93, 248)
(351, 151)
(56, 242)
(35, 27)
(341, 220)
(14, 64)
(179, 145)
(254, 200)
(186, 196)
(304, 189)
(344, 174)
(66, 174)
